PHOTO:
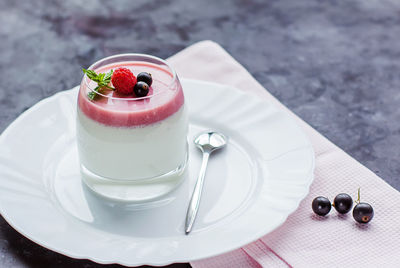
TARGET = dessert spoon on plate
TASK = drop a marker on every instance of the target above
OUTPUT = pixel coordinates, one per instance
(208, 142)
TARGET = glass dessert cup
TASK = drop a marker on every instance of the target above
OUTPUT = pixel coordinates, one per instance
(132, 148)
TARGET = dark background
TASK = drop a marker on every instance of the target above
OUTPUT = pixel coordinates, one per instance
(334, 63)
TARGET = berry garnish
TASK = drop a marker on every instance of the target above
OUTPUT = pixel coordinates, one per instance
(141, 89)
(321, 205)
(362, 212)
(343, 203)
(102, 79)
(123, 80)
(145, 77)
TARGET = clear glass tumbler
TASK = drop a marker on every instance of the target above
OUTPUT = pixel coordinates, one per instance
(131, 147)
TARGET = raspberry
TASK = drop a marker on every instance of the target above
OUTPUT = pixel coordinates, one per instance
(123, 80)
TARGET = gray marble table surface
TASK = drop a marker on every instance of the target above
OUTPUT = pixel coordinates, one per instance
(334, 63)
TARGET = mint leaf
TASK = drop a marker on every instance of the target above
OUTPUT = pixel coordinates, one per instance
(93, 94)
(91, 74)
(100, 77)
(107, 77)
(102, 80)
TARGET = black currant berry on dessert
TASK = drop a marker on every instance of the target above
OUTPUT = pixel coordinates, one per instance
(321, 205)
(343, 203)
(141, 89)
(363, 213)
(145, 77)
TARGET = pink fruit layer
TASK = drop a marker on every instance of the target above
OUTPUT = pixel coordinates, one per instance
(164, 99)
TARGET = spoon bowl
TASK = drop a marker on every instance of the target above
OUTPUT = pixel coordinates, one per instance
(210, 141)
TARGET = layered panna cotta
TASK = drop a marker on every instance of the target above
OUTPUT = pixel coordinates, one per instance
(123, 137)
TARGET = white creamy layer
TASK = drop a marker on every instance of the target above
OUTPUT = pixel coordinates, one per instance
(128, 153)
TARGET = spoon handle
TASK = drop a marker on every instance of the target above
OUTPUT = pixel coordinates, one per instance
(195, 200)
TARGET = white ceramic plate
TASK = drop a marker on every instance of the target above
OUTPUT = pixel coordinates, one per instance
(251, 186)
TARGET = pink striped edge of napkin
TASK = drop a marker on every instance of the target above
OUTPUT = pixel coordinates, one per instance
(305, 240)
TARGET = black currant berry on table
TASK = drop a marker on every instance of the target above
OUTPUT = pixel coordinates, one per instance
(343, 203)
(363, 213)
(321, 205)
(145, 77)
(141, 89)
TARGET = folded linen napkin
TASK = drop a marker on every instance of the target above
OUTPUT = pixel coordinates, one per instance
(305, 240)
